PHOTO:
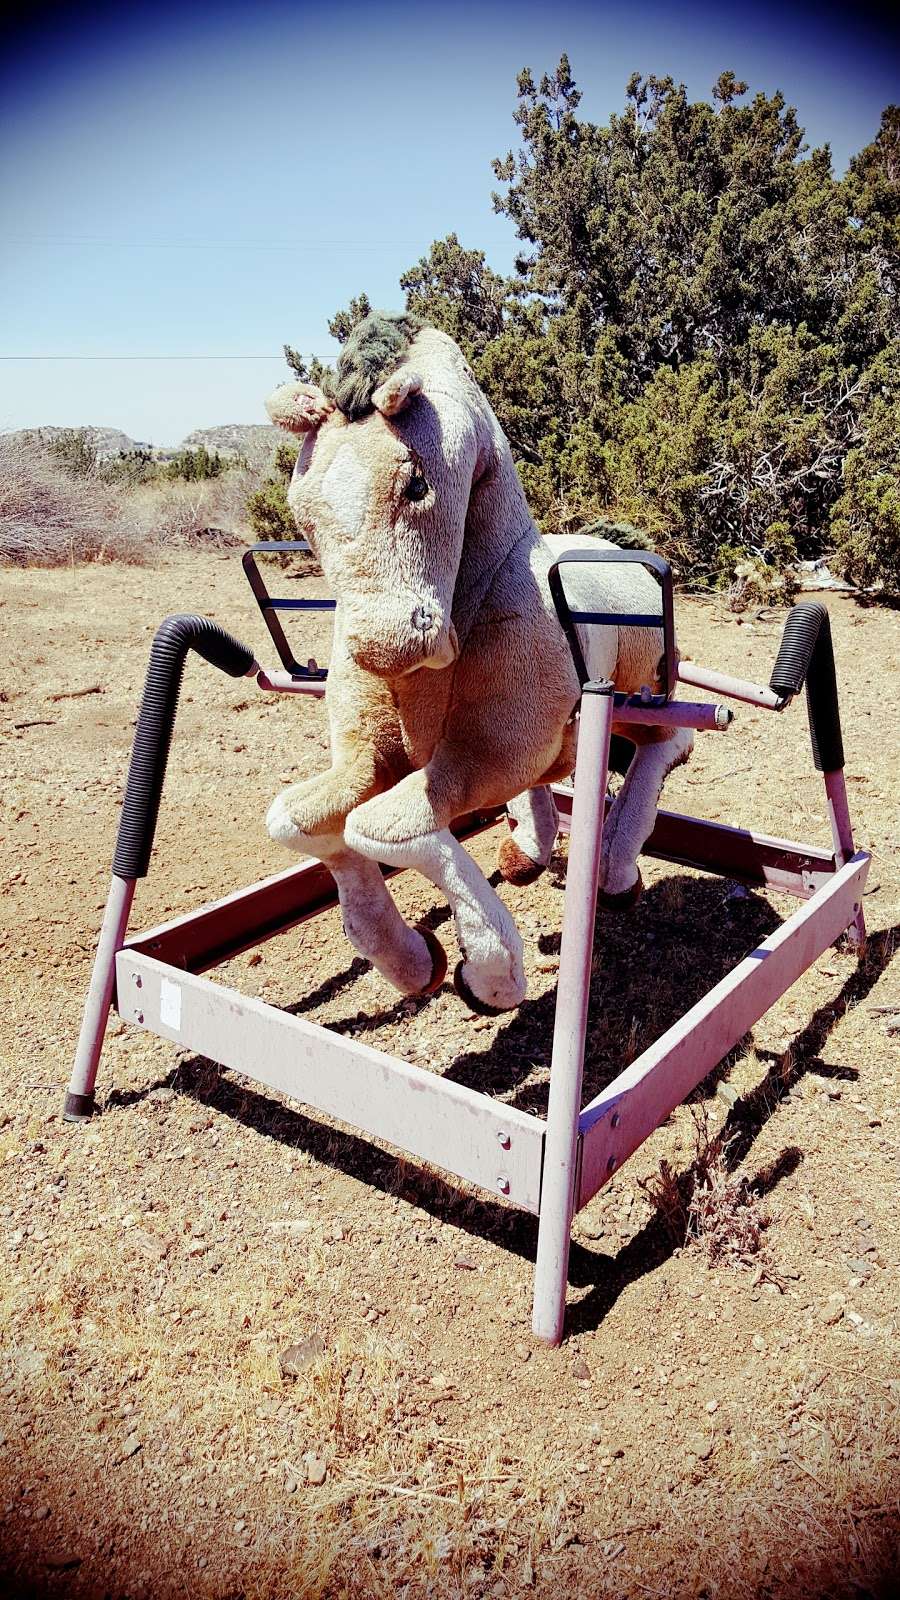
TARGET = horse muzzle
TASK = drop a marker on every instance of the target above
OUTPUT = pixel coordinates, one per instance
(425, 641)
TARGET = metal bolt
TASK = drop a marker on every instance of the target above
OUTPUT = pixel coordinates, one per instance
(139, 1016)
(138, 980)
(614, 1120)
(504, 1139)
(611, 1164)
(503, 1185)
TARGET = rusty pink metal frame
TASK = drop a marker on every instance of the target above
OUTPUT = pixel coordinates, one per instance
(551, 1168)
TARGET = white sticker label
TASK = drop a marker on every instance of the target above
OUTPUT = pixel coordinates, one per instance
(170, 1005)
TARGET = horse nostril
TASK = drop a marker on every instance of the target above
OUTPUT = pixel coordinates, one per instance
(422, 619)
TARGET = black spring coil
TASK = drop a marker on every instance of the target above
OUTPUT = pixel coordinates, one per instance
(806, 656)
(153, 734)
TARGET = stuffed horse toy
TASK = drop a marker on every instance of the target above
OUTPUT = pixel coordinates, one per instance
(451, 684)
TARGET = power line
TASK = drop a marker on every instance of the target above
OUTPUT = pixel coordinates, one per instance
(278, 357)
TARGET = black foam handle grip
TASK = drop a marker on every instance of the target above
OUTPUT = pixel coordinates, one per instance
(806, 656)
(153, 735)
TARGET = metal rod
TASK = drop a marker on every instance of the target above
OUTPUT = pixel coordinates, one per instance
(678, 714)
(842, 836)
(572, 995)
(283, 683)
(79, 1102)
(735, 688)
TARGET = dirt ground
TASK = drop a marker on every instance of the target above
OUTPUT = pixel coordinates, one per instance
(723, 1418)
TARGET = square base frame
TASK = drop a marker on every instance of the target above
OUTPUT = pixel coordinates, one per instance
(553, 1167)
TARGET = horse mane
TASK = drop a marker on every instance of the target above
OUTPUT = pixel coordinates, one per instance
(373, 351)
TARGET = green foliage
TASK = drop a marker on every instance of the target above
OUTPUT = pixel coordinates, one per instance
(701, 331)
(75, 452)
(131, 468)
(196, 465)
(267, 510)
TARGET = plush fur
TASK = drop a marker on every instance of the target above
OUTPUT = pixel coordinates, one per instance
(373, 350)
(451, 685)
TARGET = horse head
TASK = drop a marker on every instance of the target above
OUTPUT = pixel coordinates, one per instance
(383, 486)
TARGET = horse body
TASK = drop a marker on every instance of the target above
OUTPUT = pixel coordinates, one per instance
(451, 684)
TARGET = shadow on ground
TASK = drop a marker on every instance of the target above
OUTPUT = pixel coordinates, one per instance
(646, 1002)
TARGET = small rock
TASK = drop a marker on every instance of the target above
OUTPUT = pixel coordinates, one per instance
(465, 1264)
(161, 1094)
(297, 1357)
(240, 1525)
(758, 1343)
(316, 1470)
(699, 1445)
(290, 1485)
(712, 1406)
(859, 1267)
(522, 1352)
(42, 1513)
(830, 1313)
(581, 1371)
(131, 1446)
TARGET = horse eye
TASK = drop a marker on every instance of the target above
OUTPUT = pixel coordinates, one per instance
(416, 489)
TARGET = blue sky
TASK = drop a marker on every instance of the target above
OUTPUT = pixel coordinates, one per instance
(212, 181)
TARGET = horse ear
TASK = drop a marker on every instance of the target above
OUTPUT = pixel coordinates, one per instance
(396, 392)
(299, 407)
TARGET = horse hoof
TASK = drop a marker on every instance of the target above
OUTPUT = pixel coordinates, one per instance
(483, 1007)
(625, 900)
(515, 866)
(471, 999)
(438, 961)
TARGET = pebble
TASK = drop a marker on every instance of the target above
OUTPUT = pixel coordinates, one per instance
(131, 1446)
(522, 1352)
(699, 1445)
(297, 1357)
(758, 1343)
(316, 1470)
(581, 1371)
(711, 1406)
(42, 1513)
(830, 1313)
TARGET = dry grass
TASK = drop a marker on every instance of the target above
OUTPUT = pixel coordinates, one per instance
(49, 518)
(708, 1204)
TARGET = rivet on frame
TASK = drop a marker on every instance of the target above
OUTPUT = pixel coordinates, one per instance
(615, 1119)
(504, 1139)
(503, 1185)
(611, 1164)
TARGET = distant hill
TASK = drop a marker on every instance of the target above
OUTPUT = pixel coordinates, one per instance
(254, 441)
(107, 441)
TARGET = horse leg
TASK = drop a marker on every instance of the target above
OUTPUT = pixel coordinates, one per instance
(309, 818)
(411, 959)
(633, 812)
(523, 855)
(409, 827)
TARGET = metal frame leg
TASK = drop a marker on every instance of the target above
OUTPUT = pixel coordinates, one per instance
(79, 1103)
(842, 837)
(573, 990)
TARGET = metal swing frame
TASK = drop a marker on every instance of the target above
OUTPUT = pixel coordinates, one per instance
(551, 1167)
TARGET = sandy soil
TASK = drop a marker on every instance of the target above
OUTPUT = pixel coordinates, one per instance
(714, 1425)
